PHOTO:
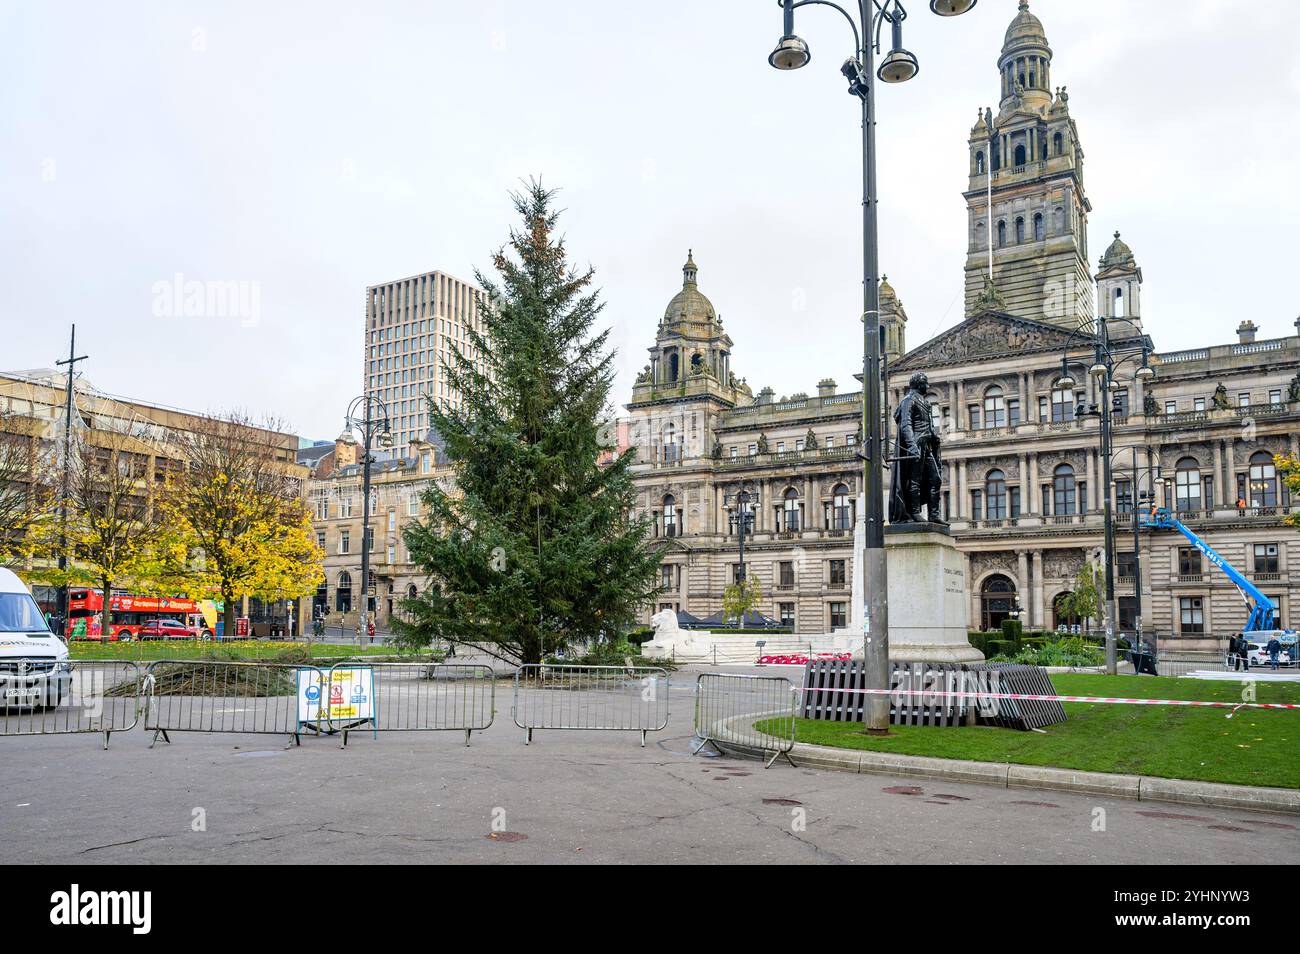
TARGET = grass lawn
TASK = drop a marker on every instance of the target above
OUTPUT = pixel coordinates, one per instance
(145, 650)
(1254, 747)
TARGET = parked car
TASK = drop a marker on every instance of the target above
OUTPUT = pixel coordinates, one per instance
(34, 668)
(1258, 651)
(169, 629)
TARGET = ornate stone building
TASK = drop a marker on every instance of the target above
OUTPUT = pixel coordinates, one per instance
(1023, 474)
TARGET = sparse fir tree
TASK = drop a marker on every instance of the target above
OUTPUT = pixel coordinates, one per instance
(533, 545)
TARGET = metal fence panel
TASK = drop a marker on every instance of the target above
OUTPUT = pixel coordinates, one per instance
(42, 696)
(727, 708)
(620, 698)
(259, 698)
(420, 697)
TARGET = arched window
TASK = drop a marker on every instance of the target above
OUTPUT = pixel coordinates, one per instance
(674, 363)
(1062, 404)
(321, 601)
(1057, 144)
(670, 516)
(412, 592)
(791, 510)
(841, 509)
(1187, 483)
(343, 593)
(1020, 155)
(1063, 491)
(1118, 310)
(995, 493)
(1002, 234)
(1020, 230)
(979, 163)
(997, 596)
(672, 450)
(1263, 480)
(995, 408)
(1039, 231)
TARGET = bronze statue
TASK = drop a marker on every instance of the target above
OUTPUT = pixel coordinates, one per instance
(917, 474)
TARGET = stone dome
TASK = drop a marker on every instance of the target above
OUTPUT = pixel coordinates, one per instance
(689, 303)
(1025, 32)
(1118, 254)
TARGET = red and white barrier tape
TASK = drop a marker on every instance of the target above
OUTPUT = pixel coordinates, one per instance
(1034, 698)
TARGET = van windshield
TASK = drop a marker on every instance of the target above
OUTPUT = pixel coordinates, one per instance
(20, 614)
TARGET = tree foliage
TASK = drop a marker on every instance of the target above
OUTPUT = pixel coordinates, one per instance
(741, 598)
(534, 546)
(1288, 467)
(235, 523)
(26, 495)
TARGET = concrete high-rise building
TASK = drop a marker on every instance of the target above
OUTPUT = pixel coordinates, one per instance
(413, 326)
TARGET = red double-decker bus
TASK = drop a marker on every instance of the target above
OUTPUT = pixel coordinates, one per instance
(129, 613)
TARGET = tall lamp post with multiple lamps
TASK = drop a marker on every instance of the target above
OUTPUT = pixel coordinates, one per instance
(897, 66)
(741, 505)
(1109, 355)
(367, 418)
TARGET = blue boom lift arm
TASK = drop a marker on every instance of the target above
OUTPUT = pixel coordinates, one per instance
(1263, 611)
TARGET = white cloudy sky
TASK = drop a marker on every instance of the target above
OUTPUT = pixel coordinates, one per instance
(315, 148)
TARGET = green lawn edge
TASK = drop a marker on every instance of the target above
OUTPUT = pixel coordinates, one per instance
(1253, 747)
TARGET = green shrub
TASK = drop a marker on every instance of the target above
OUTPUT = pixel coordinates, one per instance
(1012, 630)
(995, 648)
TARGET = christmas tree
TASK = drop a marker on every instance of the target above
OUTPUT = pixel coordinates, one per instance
(533, 546)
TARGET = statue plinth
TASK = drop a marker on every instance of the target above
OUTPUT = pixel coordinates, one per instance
(928, 596)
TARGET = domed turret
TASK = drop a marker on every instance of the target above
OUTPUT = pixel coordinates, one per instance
(1025, 63)
(1117, 254)
(689, 304)
(1119, 283)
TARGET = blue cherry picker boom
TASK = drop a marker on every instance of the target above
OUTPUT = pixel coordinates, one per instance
(1264, 615)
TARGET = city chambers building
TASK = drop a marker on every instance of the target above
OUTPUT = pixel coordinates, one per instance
(1023, 473)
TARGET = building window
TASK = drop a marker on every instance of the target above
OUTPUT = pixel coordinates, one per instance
(995, 408)
(977, 505)
(1002, 234)
(1243, 399)
(343, 593)
(1062, 404)
(791, 509)
(1123, 496)
(413, 505)
(1125, 564)
(996, 598)
(1189, 561)
(1039, 231)
(1263, 480)
(838, 618)
(670, 516)
(837, 572)
(787, 615)
(753, 450)
(1187, 484)
(1191, 616)
(1171, 407)
(1020, 222)
(973, 413)
(785, 574)
(841, 518)
(666, 576)
(995, 487)
(1274, 397)
(737, 572)
(1013, 411)
(345, 541)
(1266, 558)
(1198, 404)
(1064, 491)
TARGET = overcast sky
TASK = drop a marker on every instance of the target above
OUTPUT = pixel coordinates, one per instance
(307, 150)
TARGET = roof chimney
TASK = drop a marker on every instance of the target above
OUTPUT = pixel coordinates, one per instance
(1246, 332)
(826, 387)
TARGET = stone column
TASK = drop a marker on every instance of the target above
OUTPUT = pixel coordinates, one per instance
(1022, 581)
(1092, 482)
(1040, 619)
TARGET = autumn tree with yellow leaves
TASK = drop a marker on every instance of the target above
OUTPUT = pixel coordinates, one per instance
(233, 523)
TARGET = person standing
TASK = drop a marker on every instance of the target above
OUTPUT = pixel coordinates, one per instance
(1273, 648)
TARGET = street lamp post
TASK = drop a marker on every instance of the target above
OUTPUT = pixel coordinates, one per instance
(898, 66)
(1137, 499)
(367, 415)
(1108, 357)
(742, 518)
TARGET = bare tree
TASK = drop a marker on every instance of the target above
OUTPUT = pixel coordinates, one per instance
(25, 493)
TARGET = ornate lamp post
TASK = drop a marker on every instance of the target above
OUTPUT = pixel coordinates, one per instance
(898, 66)
(1137, 499)
(1108, 357)
(740, 504)
(366, 417)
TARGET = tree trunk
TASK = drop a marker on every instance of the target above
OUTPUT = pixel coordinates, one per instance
(227, 614)
(106, 616)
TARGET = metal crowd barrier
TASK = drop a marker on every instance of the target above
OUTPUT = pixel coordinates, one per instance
(261, 698)
(409, 697)
(626, 698)
(43, 696)
(729, 707)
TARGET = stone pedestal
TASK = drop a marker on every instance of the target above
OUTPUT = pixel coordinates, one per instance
(928, 596)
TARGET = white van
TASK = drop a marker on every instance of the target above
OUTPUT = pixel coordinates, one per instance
(34, 668)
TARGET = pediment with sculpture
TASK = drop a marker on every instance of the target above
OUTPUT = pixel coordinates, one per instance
(988, 335)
